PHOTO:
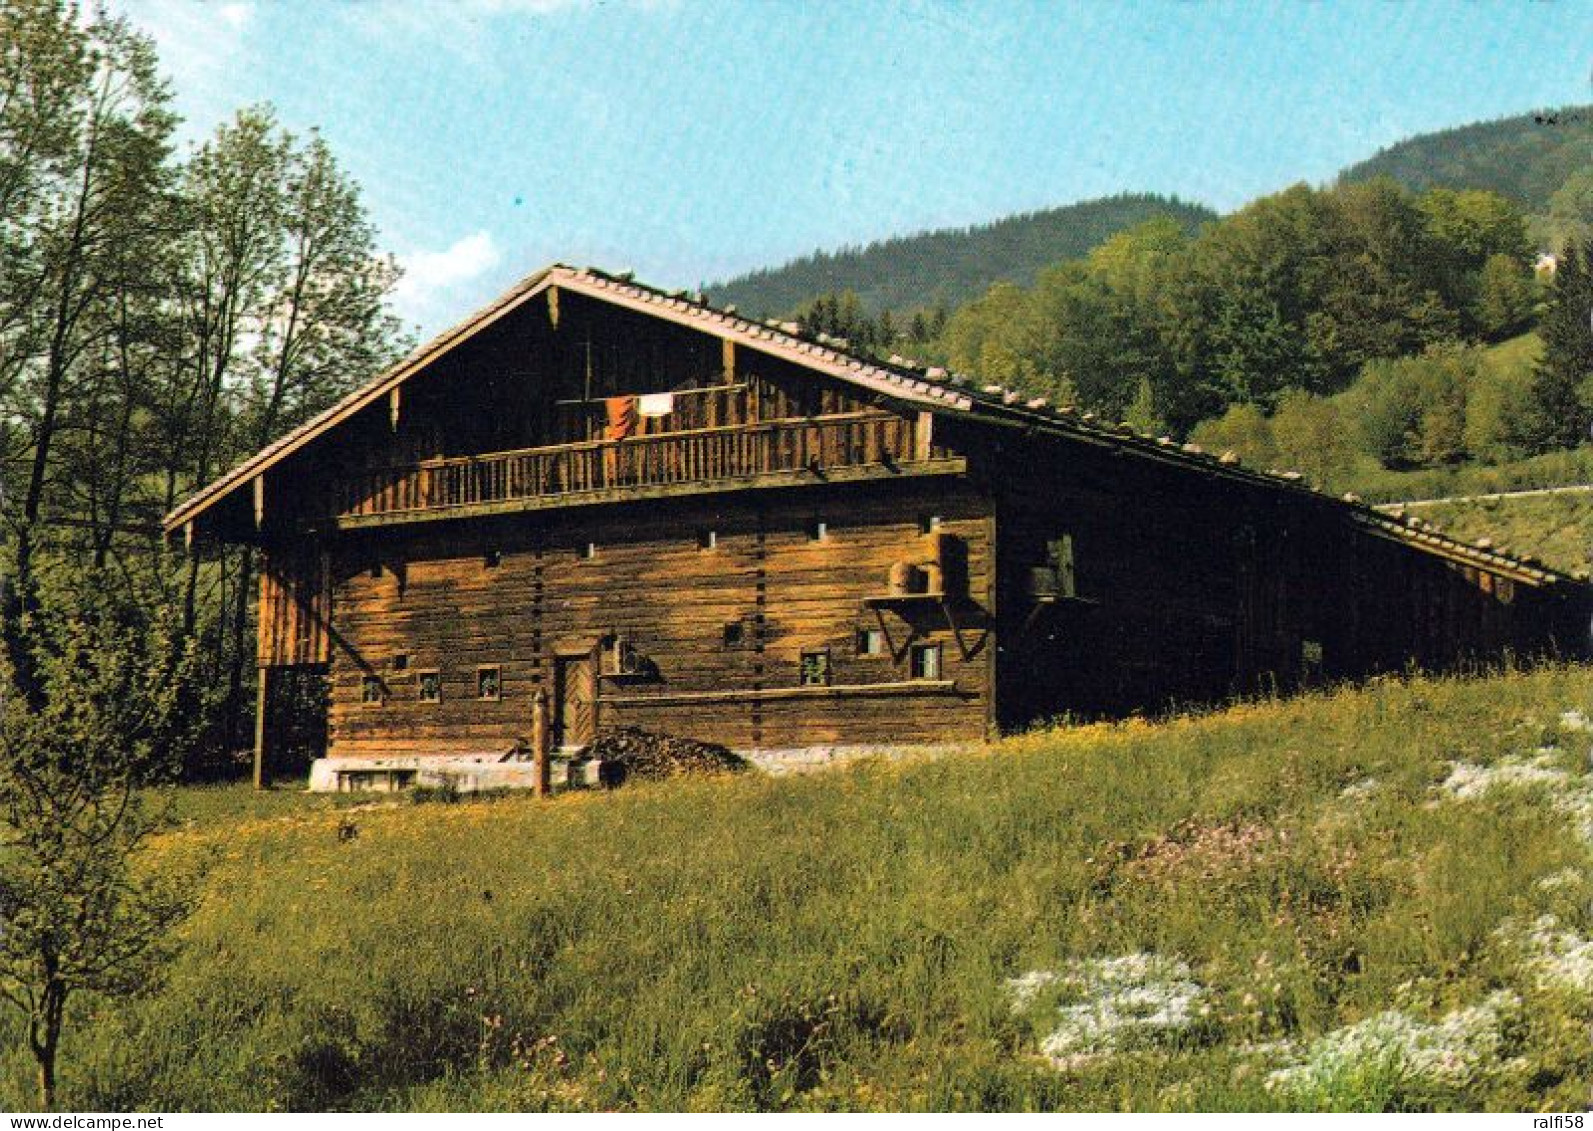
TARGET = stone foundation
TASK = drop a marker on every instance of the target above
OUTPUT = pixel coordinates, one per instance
(476, 773)
(465, 773)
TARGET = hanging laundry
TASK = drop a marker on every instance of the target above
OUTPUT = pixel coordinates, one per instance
(621, 417)
(656, 404)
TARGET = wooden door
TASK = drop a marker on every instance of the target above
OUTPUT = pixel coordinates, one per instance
(574, 706)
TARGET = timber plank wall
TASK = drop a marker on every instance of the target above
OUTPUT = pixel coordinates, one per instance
(1194, 589)
(438, 600)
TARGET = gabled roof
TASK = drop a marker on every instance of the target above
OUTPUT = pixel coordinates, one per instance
(780, 340)
(931, 388)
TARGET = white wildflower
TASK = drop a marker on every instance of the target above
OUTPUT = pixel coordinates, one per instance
(1359, 790)
(1026, 988)
(1574, 719)
(1557, 956)
(1571, 794)
(1561, 880)
(1468, 780)
(1108, 1005)
(1455, 1050)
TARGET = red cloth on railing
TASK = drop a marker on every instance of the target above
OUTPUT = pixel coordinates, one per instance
(621, 417)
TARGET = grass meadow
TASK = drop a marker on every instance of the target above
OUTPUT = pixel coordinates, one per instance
(1367, 899)
(1553, 528)
(1567, 468)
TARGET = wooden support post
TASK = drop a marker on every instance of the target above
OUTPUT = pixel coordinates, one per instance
(729, 352)
(259, 501)
(395, 399)
(540, 739)
(262, 686)
(924, 436)
(553, 307)
(188, 536)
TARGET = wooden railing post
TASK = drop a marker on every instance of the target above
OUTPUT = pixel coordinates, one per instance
(262, 733)
(540, 740)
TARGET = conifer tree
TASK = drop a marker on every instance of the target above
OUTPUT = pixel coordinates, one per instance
(1562, 382)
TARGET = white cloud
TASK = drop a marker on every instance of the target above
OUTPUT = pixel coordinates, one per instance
(432, 278)
(237, 15)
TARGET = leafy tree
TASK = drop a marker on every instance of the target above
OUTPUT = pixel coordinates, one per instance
(1474, 224)
(1255, 354)
(158, 319)
(99, 193)
(1309, 435)
(1412, 411)
(1243, 429)
(279, 296)
(1499, 413)
(1379, 291)
(1570, 214)
(1483, 257)
(995, 336)
(77, 914)
(1506, 293)
(1443, 419)
(1257, 276)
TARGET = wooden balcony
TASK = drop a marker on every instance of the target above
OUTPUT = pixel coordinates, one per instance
(774, 454)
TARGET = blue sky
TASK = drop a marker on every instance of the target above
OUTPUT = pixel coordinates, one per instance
(690, 141)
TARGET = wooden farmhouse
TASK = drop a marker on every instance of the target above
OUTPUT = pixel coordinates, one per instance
(647, 512)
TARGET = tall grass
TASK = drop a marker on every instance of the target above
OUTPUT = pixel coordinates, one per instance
(845, 940)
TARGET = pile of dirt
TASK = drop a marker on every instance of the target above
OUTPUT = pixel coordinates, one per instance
(646, 756)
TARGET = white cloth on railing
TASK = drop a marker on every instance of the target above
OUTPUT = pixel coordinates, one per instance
(655, 404)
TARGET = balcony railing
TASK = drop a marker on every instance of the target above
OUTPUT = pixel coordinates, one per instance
(737, 453)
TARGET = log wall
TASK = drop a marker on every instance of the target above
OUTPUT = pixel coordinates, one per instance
(1192, 589)
(719, 631)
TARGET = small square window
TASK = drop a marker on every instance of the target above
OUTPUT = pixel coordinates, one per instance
(489, 683)
(429, 685)
(371, 691)
(707, 539)
(401, 662)
(815, 668)
(735, 634)
(929, 523)
(589, 551)
(818, 530)
(925, 661)
(494, 559)
(871, 642)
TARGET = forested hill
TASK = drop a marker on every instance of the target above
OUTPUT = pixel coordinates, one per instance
(1527, 157)
(952, 265)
